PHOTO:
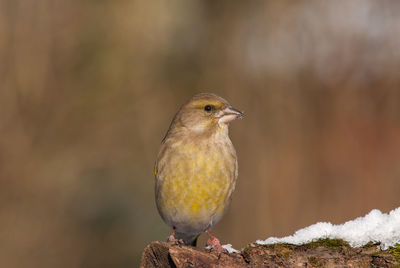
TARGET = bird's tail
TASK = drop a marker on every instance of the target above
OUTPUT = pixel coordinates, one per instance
(189, 239)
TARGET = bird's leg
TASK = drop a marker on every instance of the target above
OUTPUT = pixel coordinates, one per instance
(172, 238)
(214, 243)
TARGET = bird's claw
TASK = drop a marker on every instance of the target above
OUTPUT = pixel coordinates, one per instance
(172, 238)
(216, 245)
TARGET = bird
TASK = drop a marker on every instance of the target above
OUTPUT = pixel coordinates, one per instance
(196, 169)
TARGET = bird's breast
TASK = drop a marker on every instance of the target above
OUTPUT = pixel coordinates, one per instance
(196, 179)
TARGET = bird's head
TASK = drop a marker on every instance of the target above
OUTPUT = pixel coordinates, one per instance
(206, 112)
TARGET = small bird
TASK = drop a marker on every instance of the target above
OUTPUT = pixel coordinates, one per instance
(196, 169)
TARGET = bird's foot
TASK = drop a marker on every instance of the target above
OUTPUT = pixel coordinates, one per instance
(215, 244)
(176, 241)
(172, 238)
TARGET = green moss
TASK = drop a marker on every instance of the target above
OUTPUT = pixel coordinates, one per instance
(328, 243)
(395, 251)
(282, 250)
(372, 248)
(280, 246)
(370, 244)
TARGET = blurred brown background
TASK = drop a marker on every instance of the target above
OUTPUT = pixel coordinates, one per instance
(88, 89)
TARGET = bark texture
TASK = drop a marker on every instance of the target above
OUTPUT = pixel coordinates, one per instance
(323, 253)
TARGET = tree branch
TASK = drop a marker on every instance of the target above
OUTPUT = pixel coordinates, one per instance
(322, 253)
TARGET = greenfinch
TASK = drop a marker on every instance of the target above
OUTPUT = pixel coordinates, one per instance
(196, 168)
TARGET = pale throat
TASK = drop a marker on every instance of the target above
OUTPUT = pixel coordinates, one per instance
(222, 131)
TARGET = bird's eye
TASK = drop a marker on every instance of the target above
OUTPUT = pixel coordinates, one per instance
(208, 108)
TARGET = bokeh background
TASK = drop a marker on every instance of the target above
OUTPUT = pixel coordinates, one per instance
(88, 89)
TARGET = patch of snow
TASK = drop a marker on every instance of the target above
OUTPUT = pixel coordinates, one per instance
(230, 249)
(375, 227)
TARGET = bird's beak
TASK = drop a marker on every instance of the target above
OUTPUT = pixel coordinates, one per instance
(229, 114)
